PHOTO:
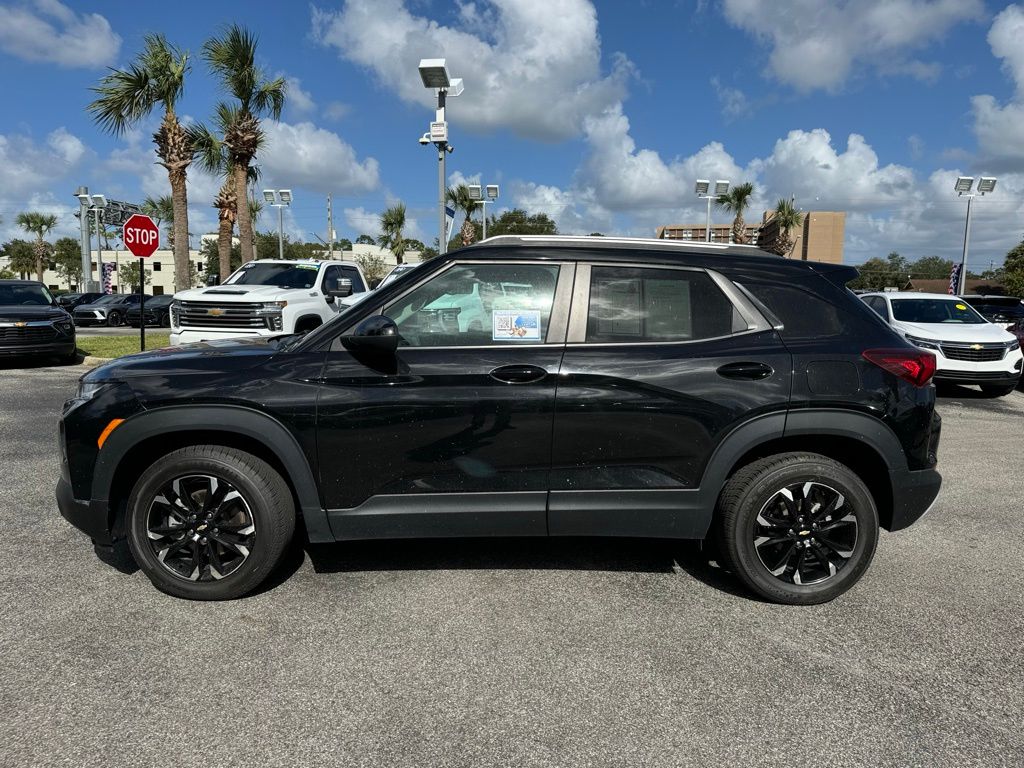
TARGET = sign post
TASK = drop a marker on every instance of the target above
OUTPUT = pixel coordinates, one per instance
(141, 236)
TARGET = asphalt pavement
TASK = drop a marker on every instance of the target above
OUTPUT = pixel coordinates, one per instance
(478, 653)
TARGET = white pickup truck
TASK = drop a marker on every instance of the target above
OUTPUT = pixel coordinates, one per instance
(266, 297)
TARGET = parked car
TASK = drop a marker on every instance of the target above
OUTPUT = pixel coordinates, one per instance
(33, 324)
(968, 348)
(266, 297)
(1017, 329)
(157, 309)
(71, 300)
(111, 310)
(642, 388)
(1000, 310)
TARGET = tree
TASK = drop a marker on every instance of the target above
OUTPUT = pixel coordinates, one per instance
(6, 274)
(736, 201)
(519, 222)
(211, 257)
(128, 276)
(460, 200)
(374, 267)
(232, 58)
(67, 255)
(596, 234)
(930, 268)
(20, 255)
(788, 217)
(877, 274)
(1013, 271)
(365, 240)
(161, 210)
(343, 245)
(38, 224)
(155, 78)
(392, 226)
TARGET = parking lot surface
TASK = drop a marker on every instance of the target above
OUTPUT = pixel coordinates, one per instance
(517, 653)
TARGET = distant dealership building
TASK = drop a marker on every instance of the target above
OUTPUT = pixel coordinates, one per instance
(819, 237)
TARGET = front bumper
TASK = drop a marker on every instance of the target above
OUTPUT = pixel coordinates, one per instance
(988, 378)
(90, 517)
(62, 348)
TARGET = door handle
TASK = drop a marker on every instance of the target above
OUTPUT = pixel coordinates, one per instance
(518, 374)
(747, 371)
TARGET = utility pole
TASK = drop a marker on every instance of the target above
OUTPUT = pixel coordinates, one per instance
(330, 229)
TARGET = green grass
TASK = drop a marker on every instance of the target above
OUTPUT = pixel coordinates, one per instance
(116, 346)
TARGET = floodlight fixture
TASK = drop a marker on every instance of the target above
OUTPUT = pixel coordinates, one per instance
(269, 196)
(475, 192)
(492, 191)
(434, 73)
(98, 201)
(963, 184)
(457, 87)
(986, 184)
(702, 187)
(286, 196)
(721, 187)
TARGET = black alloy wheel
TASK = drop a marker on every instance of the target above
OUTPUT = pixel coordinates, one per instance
(797, 528)
(200, 527)
(208, 522)
(805, 533)
(114, 319)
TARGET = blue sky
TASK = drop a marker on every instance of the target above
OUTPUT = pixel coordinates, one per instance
(601, 114)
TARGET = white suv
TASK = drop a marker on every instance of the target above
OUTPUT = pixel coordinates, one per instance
(968, 349)
(266, 297)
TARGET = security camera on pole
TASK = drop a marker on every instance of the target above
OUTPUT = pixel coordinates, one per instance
(434, 74)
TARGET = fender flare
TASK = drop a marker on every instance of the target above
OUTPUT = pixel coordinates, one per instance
(307, 317)
(230, 419)
(858, 426)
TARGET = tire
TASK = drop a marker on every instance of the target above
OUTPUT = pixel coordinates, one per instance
(71, 359)
(997, 391)
(165, 320)
(114, 319)
(793, 564)
(262, 517)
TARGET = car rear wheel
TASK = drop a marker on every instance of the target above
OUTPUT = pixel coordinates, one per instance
(209, 523)
(114, 319)
(797, 528)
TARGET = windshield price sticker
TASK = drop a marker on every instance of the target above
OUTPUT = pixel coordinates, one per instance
(314, 267)
(961, 306)
(515, 325)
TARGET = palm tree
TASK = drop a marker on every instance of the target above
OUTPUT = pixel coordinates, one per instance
(461, 201)
(232, 58)
(156, 77)
(213, 157)
(392, 222)
(736, 201)
(161, 209)
(38, 224)
(787, 217)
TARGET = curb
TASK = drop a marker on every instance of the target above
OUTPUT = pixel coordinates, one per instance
(91, 362)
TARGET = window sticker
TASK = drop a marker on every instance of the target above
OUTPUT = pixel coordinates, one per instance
(314, 267)
(961, 306)
(515, 325)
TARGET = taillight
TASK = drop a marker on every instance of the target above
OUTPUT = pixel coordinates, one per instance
(914, 365)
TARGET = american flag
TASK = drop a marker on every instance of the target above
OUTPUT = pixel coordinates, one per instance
(954, 280)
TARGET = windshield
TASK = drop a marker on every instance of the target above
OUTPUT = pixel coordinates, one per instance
(934, 311)
(288, 275)
(109, 298)
(24, 295)
(158, 301)
(395, 273)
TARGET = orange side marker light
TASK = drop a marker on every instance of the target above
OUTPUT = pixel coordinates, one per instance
(114, 424)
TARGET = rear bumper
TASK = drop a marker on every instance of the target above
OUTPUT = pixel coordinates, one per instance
(914, 493)
(90, 517)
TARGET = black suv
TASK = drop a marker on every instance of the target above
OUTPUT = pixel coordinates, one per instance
(525, 386)
(32, 323)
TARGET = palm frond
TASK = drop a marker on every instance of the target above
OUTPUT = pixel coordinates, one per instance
(210, 152)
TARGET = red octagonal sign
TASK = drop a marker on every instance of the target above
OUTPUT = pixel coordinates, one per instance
(141, 235)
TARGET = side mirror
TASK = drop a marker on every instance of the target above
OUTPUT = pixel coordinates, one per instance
(377, 333)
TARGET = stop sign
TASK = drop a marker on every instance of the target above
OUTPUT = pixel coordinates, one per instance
(141, 236)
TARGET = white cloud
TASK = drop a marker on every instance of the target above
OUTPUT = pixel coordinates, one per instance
(733, 101)
(298, 100)
(53, 32)
(27, 167)
(303, 155)
(817, 45)
(362, 222)
(1000, 129)
(532, 67)
(336, 110)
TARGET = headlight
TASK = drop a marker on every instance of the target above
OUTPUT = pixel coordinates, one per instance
(1012, 345)
(64, 326)
(272, 307)
(89, 389)
(175, 310)
(923, 343)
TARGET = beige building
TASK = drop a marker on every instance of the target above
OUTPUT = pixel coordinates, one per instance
(819, 238)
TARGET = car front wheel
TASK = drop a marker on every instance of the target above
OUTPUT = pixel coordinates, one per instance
(797, 528)
(209, 522)
(114, 319)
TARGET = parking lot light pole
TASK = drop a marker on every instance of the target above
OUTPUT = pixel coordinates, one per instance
(97, 204)
(963, 187)
(279, 198)
(434, 74)
(702, 188)
(86, 283)
(476, 195)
